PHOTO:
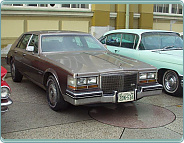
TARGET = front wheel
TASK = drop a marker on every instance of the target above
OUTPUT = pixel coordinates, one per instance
(171, 83)
(16, 75)
(54, 96)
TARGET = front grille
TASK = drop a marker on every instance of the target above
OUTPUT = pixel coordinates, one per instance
(118, 82)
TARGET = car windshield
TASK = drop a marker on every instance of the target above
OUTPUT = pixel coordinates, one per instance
(67, 43)
(161, 41)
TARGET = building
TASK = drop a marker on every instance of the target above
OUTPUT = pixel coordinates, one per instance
(91, 18)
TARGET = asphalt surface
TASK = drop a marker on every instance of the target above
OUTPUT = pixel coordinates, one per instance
(29, 117)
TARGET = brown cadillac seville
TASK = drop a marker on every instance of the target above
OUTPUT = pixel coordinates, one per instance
(75, 68)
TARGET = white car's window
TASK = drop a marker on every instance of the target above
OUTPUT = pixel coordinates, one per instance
(64, 43)
(129, 41)
(113, 39)
(160, 40)
(124, 40)
(102, 39)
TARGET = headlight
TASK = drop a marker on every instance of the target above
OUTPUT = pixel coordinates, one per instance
(151, 75)
(5, 92)
(92, 80)
(147, 77)
(82, 83)
(142, 76)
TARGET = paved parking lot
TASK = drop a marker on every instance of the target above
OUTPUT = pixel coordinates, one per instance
(29, 117)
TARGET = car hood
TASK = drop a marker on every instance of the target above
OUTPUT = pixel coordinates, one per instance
(96, 62)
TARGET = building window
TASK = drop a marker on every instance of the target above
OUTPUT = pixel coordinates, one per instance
(82, 6)
(168, 8)
(86, 6)
(12, 4)
(163, 8)
(65, 5)
(176, 9)
(36, 5)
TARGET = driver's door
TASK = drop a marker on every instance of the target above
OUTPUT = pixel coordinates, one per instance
(31, 59)
(19, 53)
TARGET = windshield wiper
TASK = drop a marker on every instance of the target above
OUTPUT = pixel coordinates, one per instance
(171, 48)
(167, 48)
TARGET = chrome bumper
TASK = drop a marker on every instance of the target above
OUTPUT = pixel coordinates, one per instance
(84, 98)
(4, 104)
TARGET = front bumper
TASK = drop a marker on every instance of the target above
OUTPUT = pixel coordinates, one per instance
(4, 104)
(94, 97)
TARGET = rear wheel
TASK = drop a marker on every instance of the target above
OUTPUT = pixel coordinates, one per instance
(16, 75)
(171, 83)
(54, 96)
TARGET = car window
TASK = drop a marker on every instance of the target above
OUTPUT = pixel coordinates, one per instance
(34, 42)
(113, 40)
(19, 42)
(63, 43)
(102, 39)
(129, 41)
(92, 44)
(24, 41)
(160, 40)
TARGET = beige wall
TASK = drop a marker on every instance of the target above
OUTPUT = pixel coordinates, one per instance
(161, 24)
(34, 25)
(75, 26)
(178, 27)
(12, 28)
(165, 25)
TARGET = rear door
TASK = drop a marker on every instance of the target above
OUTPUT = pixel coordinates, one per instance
(123, 44)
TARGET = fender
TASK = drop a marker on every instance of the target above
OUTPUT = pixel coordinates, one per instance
(47, 73)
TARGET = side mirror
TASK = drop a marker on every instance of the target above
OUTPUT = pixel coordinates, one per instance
(30, 48)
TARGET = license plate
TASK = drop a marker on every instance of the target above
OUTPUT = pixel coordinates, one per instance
(125, 96)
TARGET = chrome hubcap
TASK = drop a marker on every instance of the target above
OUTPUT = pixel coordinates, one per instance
(171, 82)
(52, 94)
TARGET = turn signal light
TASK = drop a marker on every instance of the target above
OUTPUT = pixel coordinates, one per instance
(93, 86)
(148, 81)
